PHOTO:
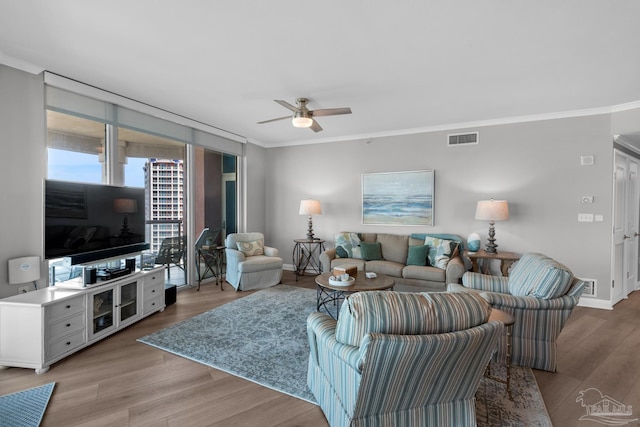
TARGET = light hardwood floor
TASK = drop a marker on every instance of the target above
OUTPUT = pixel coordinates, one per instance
(120, 382)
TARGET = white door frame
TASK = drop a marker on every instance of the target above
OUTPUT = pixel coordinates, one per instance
(626, 217)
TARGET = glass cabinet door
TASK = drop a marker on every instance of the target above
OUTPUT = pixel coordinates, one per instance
(102, 311)
(128, 301)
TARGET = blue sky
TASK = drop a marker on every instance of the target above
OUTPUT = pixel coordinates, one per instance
(81, 167)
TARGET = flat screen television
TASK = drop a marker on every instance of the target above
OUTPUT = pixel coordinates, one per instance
(91, 218)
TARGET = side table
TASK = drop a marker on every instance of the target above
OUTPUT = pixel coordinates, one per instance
(306, 255)
(210, 259)
(506, 260)
(507, 320)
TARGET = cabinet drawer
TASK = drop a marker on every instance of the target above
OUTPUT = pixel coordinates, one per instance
(56, 348)
(66, 326)
(152, 291)
(154, 277)
(152, 304)
(65, 308)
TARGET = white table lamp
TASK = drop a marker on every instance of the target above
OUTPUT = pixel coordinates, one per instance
(492, 210)
(310, 207)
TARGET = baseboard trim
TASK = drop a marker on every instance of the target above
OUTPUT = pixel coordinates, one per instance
(595, 303)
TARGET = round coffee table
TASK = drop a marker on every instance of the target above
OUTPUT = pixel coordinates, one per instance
(331, 295)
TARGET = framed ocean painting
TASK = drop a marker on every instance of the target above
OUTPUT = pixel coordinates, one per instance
(398, 198)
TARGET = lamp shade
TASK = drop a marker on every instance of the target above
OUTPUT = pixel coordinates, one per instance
(125, 206)
(492, 210)
(310, 207)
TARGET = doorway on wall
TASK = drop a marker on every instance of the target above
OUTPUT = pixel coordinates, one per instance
(626, 225)
(215, 201)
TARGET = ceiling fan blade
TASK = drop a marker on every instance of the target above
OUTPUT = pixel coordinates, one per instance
(286, 105)
(330, 111)
(315, 126)
(274, 120)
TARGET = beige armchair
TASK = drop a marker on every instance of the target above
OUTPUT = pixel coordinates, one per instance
(251, 264)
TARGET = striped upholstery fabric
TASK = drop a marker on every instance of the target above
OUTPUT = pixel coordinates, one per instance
(540, 276)
(485, 282)
(408, 314)
(538, 320)
(401, 379)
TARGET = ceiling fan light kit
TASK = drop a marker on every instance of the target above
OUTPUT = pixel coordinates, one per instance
(300, 121)
(303, 117)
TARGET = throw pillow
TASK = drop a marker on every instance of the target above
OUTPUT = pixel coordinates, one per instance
(348, 245)
(252, 248)
(440, 251)
(418, 255)
(371, 251)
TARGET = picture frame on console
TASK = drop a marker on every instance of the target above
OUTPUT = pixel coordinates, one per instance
(398, 198)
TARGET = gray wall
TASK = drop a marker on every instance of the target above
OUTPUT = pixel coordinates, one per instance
(534, 165)
(22, 138)
(256, 165)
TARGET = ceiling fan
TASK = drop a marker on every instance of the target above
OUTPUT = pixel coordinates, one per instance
(303, 117)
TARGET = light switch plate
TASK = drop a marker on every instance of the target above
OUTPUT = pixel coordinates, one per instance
(586, 199)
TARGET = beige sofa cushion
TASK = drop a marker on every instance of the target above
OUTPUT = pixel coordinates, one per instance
(394, 247)
(389, 268)
(432, 274)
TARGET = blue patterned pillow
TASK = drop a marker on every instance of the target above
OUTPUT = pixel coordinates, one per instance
(440, 251)
(348, 245)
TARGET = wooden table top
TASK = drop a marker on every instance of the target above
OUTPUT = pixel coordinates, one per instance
(501, 255)
(501, 316)
(361, 283)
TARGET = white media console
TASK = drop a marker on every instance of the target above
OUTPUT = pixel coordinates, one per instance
(39, 328)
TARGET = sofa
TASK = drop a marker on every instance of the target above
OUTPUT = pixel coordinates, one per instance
(416, 262)
(401, 358)
(540, 293)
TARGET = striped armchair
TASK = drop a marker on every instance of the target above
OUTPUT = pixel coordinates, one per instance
(540, 293)
(400, 359)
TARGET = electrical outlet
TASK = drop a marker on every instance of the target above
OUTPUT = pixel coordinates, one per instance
(585, 217)
(23, 289)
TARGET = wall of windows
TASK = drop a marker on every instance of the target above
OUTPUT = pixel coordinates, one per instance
(92, 140)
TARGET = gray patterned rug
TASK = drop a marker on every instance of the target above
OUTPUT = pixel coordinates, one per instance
(263, 338)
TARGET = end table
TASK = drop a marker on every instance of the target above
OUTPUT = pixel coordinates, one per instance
(306, 255)
(506, 261)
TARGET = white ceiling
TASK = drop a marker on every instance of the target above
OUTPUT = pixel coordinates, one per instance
(402, 66)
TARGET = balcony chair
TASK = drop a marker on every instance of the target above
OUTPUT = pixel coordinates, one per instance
(400, 359)
(171, 252)
(540, 294)
(251, 264)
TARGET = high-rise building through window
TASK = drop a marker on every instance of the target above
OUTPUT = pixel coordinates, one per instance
(165, 187)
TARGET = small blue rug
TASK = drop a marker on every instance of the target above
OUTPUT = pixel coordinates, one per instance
(25, 408)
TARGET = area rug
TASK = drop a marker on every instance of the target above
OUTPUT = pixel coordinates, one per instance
(263, 338)
(25, 408)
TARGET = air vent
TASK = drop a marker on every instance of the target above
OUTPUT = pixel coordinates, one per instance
(590, 288)
(463, 138)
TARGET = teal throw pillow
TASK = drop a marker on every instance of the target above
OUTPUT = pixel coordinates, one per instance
(418, 255)
(371, 251)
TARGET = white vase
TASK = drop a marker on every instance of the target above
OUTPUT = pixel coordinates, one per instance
(473, 242)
